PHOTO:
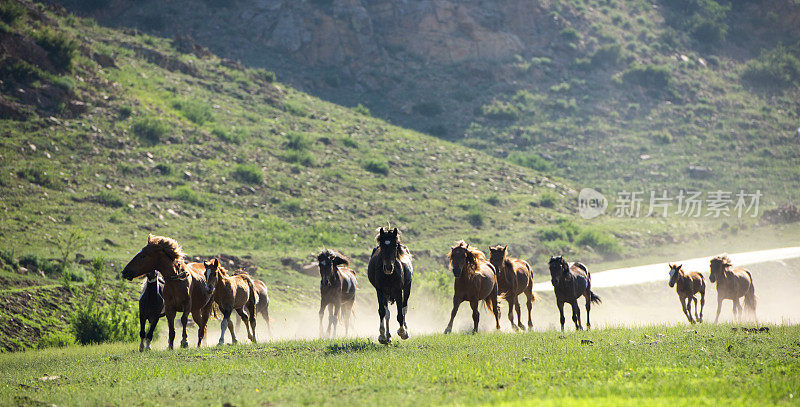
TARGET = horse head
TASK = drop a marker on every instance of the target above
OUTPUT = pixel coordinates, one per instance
(497, 256)
(159, 254)
(674, 272)
(558, 268)
(718, 266)
(328, 261)
(388, 242)
(212, 274)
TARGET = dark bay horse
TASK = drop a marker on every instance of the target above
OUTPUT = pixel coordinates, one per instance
(390, 272)
(514, 277)
(337, 288)
(475, 281)
(732, 284)
(232, 292)
(151, 308)
(184, 284)
(687, 285)
(262, 305)
(570, 282)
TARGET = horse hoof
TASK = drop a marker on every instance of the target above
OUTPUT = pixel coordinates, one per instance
(521, 327)
(383, 340)
(184, 344)
(402, 332)
(141, 348)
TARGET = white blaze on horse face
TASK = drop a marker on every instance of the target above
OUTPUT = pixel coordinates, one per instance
(672, 272)
(387, 242)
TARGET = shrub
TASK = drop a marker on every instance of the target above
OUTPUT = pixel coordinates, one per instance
(92, 322)
(428, 109)
(377, 165)
(11, 11)
(60, 48)
(21, 72)
(529, 159)
(296, 140)
(109, 198)
(662, 137)
(601, 242)
(653, 77)
(498, 110)
(548, 199)
(34, 263)
(552, 233)
(361, 109)
(438, 130)
(607, 55)
(150, 129)
(55, 340)
(773, 69)
(40, 175)
(236, 136)
(475, 216)
(125, 112)
(164, 169)
(195, 111)
(295, 109)
(187, 194)
(350, 142)
(569, 34)
(264, 75)
(292, 205)
(301, 157)
(704, 20)
(248, 173)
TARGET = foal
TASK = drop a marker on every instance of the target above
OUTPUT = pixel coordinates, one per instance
(337, 289)
(232, 293)
(151, 308)
(687, 285)
(262, 305)
(514, 277)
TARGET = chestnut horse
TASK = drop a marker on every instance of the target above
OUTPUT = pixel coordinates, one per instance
(514, 277)
(151, 308)
(184, 284)
(687, 285)
(337, 289)
(476, 280)
(231, 293)
(390, 272)
(570, 282)
(262, 305)
(732, 283)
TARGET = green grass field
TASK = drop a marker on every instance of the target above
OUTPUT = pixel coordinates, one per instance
(658, 365)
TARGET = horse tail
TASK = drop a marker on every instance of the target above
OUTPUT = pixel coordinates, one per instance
(750, 298)
(251, 300)
(594, 297)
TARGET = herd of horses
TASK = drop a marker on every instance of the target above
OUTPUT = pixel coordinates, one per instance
(203, 289)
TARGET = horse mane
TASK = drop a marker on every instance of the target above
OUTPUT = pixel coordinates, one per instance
(401, 251)
(170, 246)
(344, 260)
(474, 256)
(724, 260)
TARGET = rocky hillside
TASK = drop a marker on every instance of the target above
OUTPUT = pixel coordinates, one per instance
(657, 86)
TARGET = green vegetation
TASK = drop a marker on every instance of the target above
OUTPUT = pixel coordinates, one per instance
(777, 68)
(248, 173)
(150, 129)
(648, 365)
(196, 111)
(61, 49)
(530, 160)
(92, 323)
(10, 12)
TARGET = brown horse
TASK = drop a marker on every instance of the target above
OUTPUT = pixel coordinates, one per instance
(732, 283)
(337, 290)
(687, 285)
(184, 284)
(514, 277)
(476, 280)
(262, 305)
(570, 282)
(230, 293)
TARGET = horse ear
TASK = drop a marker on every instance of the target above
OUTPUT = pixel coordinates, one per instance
(505, 248)
(394, 231)
(679, 266)
(149, 238)
(215, 263)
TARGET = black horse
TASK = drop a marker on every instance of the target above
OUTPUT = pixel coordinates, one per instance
(570, 282)
(390, 272)
(151, 308)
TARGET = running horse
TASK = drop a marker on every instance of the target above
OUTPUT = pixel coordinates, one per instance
(262, 305)
(390, 272)
(232, 293)
(337, 290)
(570, 282)
(151, 308)
(184, 284)
(475, 281)
(687, 285)
(514, 277)
(732, 284)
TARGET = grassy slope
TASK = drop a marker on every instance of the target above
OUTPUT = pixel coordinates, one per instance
(622, 366)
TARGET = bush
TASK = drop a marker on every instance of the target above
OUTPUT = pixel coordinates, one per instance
(569, 34)
(295, 109)
(548, 199)
(21, 72)
(296, 140)
(235, 136)
(264, 75)
(704, 20)
(109, 198)
(662, 137)
(377, 165)
(498, 110)
(428, 109)
(39, 175)
(361, 109)
(125, 112)
(601, 242)
(60, 48)
(529, 159)
(607, 55)
(188, 195)
(350, 142)
(773, 69)
(55, 340)
(653, 77)
(164, 169)
(475, 217)
(195, 111)
(301, 157)
(11, 11)
(150, 129)
(248, 173)
(96, 323)
(292, 205)
(32, 262)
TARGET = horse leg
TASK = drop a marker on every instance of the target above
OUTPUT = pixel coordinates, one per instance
(588, 306)
(347, 309)
(518, 307)
(476, 315)
(153, 324)
(401, 318)
(737, 310)
(383, 311)
(223, 325)
(495, 307)
(456, 304)
(576, 315)
(561, 311)
(529, 304)
(265, 315)
(685, 306)
(404, 325)
(184, 322)
(702, 305)
(696, 315)
(142, 321)
(719, 308)
(511, 313)
(322, 306)
(334, 318)
(197, 316)
(170, 314)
